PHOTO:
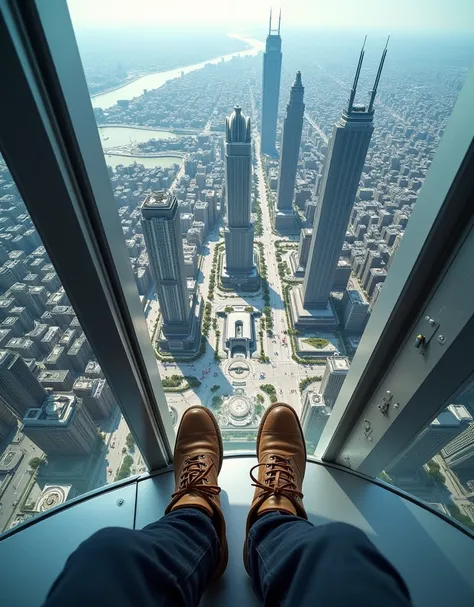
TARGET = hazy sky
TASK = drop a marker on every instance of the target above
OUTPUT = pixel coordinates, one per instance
(444, 15)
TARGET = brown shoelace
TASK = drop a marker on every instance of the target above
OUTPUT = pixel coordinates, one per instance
(279, 479)
(194, 479)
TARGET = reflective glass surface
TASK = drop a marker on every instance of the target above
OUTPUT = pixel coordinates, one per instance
(61, 432)
(438, 466)
(288, 226)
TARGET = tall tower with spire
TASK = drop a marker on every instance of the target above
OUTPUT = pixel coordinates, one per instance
(341, 176)
(239, 267)
(289, 153)
(271, 88)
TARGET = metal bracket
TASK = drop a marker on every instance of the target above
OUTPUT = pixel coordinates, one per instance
(427, 330)
(368, 430)
(386, 402)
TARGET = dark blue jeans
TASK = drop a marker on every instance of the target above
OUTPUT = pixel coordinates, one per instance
(170, 562)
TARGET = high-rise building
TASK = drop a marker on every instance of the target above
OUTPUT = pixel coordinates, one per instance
(334, 375)
(355, 309)
(459, 453)
(289, 153)
(179, 331)
(59, 381)
(7, 420)
(96, 396)
(341, 176)
(447, 426)
(304, 245)
(61, 426)
(271, 89)
(314, 416)
(239, 268)
(19, 388)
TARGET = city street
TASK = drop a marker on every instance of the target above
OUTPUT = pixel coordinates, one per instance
(282, 372)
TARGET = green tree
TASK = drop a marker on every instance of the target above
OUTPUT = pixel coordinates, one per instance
(35, 463)
(456, 513)
(434, 471)
(271, 391)
(129, 441)
(316, 342)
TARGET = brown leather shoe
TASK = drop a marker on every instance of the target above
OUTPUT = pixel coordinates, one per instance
(197, 462)
(281, 453)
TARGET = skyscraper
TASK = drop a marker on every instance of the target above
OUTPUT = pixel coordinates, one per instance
(459, 453)
(7, 420)
(290, 149)
(271, 89)
(447, 426)
(19, 388)
(179, 331)
(239, 266)
(314, 416)
(61, 426)
(334, 375)
(95, 395)
(341, 176)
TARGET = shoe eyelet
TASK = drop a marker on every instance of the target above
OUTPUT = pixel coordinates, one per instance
(271, 457)
(206, 480)
(291, 470)
(201, 456)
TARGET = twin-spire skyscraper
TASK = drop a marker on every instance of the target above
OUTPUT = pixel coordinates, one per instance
(345, 158)
(271, 89)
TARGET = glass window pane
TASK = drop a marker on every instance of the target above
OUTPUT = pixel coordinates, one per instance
(61, 432)
(277, 264)
(438, 466)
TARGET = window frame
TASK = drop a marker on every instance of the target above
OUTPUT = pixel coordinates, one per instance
(66, 169)
(48, 88)
(357, 434)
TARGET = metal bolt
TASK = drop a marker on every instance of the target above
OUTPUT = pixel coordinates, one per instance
(441, 339)
(431, 321)
(396, 405)
(120, 502)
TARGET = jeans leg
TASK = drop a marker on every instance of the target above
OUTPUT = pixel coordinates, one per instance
(168, 562)
(292, 562)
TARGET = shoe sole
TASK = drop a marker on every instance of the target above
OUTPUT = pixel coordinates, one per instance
(262, 423)
(224, 547)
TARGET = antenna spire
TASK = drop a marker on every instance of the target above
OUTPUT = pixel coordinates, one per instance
(270, 23)
(373, 92)
(356, 77)
(279, 22)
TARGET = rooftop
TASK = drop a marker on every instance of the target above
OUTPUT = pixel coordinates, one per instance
(339, 363)
(56, 409)
(160, 198)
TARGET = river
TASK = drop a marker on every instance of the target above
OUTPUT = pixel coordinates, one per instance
(158, 79)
